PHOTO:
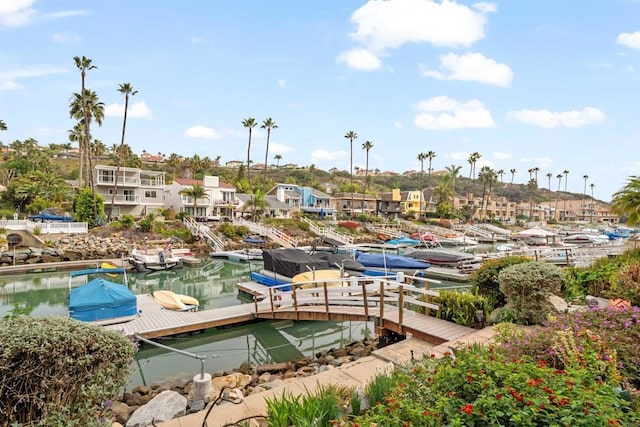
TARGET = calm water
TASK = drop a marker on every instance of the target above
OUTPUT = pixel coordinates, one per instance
(45, 294)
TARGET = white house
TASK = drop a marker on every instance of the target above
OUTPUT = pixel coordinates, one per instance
(220, 201)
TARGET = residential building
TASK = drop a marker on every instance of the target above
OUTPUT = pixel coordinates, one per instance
(348, 204)
(389, 204)
(220, 201)
(138, 193)
(234, 164)
(308, 200)
(275, 208)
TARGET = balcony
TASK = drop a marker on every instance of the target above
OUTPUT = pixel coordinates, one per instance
(122, 182)
(221, 202)
(123, 199)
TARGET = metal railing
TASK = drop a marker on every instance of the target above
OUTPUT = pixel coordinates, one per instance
(329, 232)
(44, 227)
(204, 232)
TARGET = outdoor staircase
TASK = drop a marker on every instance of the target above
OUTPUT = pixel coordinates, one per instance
(328, 232)
(391, 232)
(204, 232)
(272, 233)
(475, 231)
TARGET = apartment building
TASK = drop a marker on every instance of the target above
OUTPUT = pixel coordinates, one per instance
(138, 192)
(220, 201)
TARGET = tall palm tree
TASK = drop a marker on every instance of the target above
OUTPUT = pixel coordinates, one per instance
(530, 170)
(488, 177)
(532, 186)
(422, 157)
(626, 201)
(257, 203)
(351, 135)
(174, 161)
(584, 192)
(85, 108)
(127, 90)
(84, 64)
(559, 178)
(535, 171)
(277, 158)
(549, 176)
(513, 173)
(3, 125)
(249, 123)
(592, 185)
(500, 173)
(592, 210)
(196, 191)
(453, 172)
(566, 181)
(267, 124)
(368, 145)
(473, 159)
(430, 155)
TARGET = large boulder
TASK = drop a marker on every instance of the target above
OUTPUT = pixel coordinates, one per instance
(165, 406)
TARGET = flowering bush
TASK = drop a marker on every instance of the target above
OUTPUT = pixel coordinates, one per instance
(484, 281)
(596, 332)
(349, 225)
(488, 387)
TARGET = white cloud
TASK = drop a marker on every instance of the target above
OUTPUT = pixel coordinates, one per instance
(631, 40)
(234, 133)
(444, 113)
(502, 156)
(319, 155)
(275, 148)
(485, 7)
(382, 25)
(459, 155)
(629, 69)
(472, 67)
(397, 125)
(282, 83)
(360, 59)
(137, 110)
(66, 37)
(8, 79)
(549, 119)
(16, 13)
(202, 132)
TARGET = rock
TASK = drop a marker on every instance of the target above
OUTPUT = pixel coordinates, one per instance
(165, 406)
(558, 303)
(272, 368)
(143, 389)
(596, 301)
(264, 378)
(120, 411)
(273, 384)
(195, 406)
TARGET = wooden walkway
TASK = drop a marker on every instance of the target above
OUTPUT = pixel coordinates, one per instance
(361, 299)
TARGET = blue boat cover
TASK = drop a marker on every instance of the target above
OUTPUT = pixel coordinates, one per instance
(253, 240)
(403, 241)
(390, 261)
(100, 299)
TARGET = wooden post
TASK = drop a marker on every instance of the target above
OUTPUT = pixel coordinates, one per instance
(381, 300)
(295, 301)
(364, 299)
(270, 299)
(326, 301)
(401, 309)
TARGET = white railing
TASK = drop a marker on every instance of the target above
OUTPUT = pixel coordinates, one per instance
(123, 198)
(44, 227)
(325, 231)
(204, 232)
(273, 233)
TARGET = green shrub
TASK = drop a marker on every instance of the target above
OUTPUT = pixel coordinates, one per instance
(233, 232)
(318, 409)
(484, 281)
(58, 371)
(83, 206)
(127, 221)
(461, 308)
(377, 389)
(487, 387)
(527, 286)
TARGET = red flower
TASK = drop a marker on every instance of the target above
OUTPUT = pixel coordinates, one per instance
(563, 401)
(426, 413)
(467, 409)
(498, 396)
(533, 382)
(548, 390)
(470, 378)
(613, 422)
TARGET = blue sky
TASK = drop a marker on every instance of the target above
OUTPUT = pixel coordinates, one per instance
(550, 84)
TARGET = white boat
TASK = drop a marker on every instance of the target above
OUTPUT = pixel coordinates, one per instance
(248, 254)
(154, 260)
(586, 239)
(456, 241)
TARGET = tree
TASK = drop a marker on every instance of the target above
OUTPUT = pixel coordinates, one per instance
(368, 145)
(84, 64)
(196, 191)
(3, 125)
(549, 176)
(500, 173)
(249, 123)
(351, 135)
(174, 161)
(127, 90)
(430, 155)
(473, 159)
(585, 177)
(535, 171)
(257, 203)
(267, 124)
(513, 173)
(421, 157)
(566, 181)
(277, 158)
(453, 171)
(532, 186)
(559, 178)
(488, 177)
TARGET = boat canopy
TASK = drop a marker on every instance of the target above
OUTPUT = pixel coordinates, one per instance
(101, 299)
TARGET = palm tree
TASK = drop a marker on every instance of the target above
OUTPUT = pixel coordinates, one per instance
(127, 90)
(351, 135)
(594, 206)
(513, 174)
(535, 171)
(585, 177)
(257, 203)
(196, 191)
(368, 145)
(174, 161)
(430, 155)
(267, 124)
(532, 186)
(500, 173)
(626, 201)
(453, 172)
(84, 64)
(592, 185)
(422, 157)
(530, 170)
(473, 159)
(85, 108)
(549, 176)
(3, 125)
(488, 177)
(277, 158)
(559, 178)
(566, 181)
(249, 123)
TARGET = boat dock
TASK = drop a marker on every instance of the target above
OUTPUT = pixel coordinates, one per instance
(389, 304)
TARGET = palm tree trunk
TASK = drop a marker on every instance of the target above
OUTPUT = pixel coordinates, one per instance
(249, 159)
(119, 158)
(266, 157)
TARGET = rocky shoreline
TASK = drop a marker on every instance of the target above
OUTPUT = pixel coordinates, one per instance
(260, 378)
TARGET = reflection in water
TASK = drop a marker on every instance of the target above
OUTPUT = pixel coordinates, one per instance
(213, 284)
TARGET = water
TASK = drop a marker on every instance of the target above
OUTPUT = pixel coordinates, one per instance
(213, 284)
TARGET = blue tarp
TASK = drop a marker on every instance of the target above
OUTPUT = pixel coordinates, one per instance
(403, 241)
(100, 299)
(390, 261)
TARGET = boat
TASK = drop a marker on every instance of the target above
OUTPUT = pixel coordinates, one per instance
(319, 278)
(450, 241)
(154, 260)
(403, 241)
(443, 257)
(248, 254)
(172, 301)
(102, 301)
(390, 262)
(585, 239)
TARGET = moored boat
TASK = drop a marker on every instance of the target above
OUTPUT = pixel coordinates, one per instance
(154, 260)
(443, 257)
(172, 301)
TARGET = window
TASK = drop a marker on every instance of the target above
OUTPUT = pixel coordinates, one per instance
(150, 194)
(106, 176)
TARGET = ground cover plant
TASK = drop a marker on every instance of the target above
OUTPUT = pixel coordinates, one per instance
(488, 387)
(59, 372)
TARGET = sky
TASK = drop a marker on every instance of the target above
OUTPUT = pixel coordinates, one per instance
(552, 84)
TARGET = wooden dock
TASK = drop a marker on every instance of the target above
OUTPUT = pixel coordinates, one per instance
(391, 305)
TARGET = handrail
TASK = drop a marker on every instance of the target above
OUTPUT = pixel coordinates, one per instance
(203, 232)
(175, 350)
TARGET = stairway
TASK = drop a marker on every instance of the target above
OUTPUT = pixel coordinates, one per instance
(204, 232)
(272, 233)
(329, 232)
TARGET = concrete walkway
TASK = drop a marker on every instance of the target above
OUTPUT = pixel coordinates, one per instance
(354, 374)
